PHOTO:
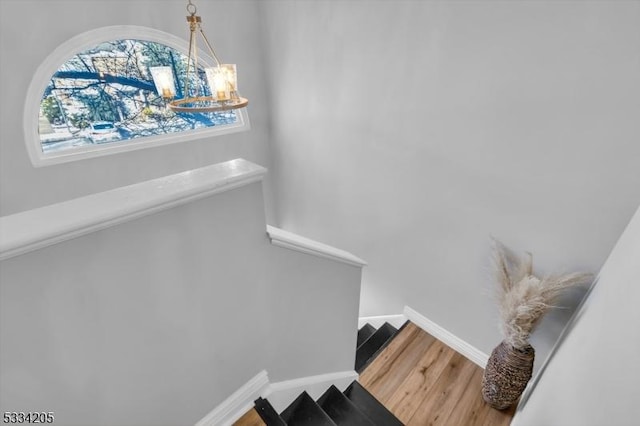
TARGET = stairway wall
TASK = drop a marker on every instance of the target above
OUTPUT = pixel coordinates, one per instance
(420, 128)
(592, 378)
(159, 319)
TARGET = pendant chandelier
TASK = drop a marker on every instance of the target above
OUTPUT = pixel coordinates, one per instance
(221, 79)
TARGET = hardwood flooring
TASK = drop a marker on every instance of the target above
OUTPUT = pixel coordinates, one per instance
(250, 418)
(424, 382)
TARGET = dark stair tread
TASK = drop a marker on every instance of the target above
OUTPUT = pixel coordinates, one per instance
(304, 411)
(367, 403)
(364, 333)
(267, 413)
(373, 344)
(341, 410)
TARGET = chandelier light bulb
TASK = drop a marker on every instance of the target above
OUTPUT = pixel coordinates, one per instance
(163, 80)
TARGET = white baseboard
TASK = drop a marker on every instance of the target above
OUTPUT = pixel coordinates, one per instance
(464, 348)
(281, 394)
(241, 401)
(395, 320)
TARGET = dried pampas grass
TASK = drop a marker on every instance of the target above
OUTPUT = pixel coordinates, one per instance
(523, 297)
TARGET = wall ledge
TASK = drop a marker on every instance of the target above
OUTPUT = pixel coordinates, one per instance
(291, 241)
(34, 229)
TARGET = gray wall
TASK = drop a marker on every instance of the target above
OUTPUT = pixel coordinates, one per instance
(31, 29)
(409, 131)
(592, 378)
(158, 320)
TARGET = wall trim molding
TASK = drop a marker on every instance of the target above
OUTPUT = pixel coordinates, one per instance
(471, 352)
(238, 403)
(34, 229)
(291, 241)
(280, 394)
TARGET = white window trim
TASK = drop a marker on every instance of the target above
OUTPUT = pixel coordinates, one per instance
(86, 40)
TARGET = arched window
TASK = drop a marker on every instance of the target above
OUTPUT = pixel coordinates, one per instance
(95, 95)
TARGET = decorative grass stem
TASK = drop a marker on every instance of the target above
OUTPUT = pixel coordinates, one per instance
(523, 299)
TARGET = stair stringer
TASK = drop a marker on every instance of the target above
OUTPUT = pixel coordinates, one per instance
(238, 403)
(280, 394)
(376, 321)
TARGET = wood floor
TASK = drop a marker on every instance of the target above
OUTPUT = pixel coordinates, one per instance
(424, 382)
(251, 418)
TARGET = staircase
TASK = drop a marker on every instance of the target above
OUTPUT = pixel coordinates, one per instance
(353, 407)
(371, 342)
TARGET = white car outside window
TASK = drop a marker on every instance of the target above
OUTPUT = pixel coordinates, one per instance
(103, 131)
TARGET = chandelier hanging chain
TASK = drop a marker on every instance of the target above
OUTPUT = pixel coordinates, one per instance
(194, 25)
(191, 8)
(192, 54)
(206, 41)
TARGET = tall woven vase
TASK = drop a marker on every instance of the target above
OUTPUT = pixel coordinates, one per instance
(507, 373)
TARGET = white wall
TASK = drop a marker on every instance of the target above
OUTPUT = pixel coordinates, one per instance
(409, 131)
(592, 378)
(156, 321)
(31, 29)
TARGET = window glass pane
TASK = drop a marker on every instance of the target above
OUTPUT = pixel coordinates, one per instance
(106, 94)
